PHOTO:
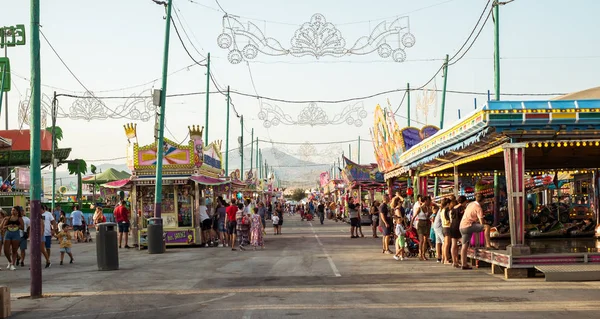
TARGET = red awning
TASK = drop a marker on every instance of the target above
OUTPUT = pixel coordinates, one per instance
(116, 184)
(205, 180)
(21, 138)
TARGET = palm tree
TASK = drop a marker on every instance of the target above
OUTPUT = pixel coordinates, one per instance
(77, 167)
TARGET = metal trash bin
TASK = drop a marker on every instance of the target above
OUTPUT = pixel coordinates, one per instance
(107, 251)
(155, 237)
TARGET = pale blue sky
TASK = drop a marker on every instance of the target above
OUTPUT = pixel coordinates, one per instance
(547, 46)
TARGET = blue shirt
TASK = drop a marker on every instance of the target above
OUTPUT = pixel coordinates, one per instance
(77, 217)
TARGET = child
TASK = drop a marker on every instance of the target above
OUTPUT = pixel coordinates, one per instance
(275, 220)
(64, 239)
(400, 238)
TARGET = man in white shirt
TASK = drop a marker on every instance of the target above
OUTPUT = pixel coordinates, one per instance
(49, 229)
(77, 222)
(24, 235)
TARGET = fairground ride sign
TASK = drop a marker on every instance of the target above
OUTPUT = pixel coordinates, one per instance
(12, 36)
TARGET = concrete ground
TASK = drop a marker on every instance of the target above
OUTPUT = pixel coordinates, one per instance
(311, 271)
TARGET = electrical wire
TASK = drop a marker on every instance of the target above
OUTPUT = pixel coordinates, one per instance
(472, 31)
(184, 46)
(474, 39)
(185, 32)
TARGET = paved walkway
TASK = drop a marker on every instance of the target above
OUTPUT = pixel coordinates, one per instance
(311, 271)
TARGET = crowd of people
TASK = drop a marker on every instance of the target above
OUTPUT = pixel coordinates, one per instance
(238, 222)
(431, 229)
(15, 229)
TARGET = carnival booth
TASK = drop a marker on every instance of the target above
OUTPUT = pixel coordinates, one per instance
(190, 171)
(509, 149)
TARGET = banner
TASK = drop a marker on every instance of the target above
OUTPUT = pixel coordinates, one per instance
(324, 178)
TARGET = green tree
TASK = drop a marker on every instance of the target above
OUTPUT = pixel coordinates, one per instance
(298, 194)
(77, 167)
(58, 134)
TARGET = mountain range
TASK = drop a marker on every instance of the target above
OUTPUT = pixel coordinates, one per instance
(289, 169)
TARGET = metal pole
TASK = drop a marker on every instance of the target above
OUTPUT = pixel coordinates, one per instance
(251, 149)
(444, 93)
(497, 50)
(350, 151)
(35, 162)
(54, 104)
(358, 155)
(207, 98)
(475, 103)
(408, 104)
(159, 143)
(6, 94)
(2, 88)
(257, 161)
(242, 148)
(227, 137)
(458, 114)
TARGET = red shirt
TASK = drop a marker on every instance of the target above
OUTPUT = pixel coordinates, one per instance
(121, 214)
(231, 211)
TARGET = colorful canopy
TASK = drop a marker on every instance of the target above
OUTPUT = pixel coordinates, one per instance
(205, 180)
(116, 184)
(110, 175)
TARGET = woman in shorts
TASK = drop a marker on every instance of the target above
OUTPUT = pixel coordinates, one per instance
(422, 215)
(456, 214)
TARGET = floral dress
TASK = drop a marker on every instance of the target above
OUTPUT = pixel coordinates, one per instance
(256, 231)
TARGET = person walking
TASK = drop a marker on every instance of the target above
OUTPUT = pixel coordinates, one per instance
(12, 226)
(262, 212)
(205, 223)
(222, 222)
(231, 211)
(374, 213)
(44, 243)
(354, 215)
(279, 212)
(121, 214)
(321, 212)
(385, 224)
(400, 237)
(77, 222)
(50, 228)
(445, 217)
(24, 236)
(456, 214)
(64, 240)
(256, 231)
(437, 230)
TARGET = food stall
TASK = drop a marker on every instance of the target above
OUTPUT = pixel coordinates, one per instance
(190, 171)
(514, 138)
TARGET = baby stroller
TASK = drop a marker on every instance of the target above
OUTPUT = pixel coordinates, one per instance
(412, 243)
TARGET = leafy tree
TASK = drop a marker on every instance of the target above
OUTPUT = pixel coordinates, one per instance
(77, 167)
(58, 134)
(298, 194)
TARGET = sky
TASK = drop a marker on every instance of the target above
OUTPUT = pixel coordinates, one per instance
(112, 45)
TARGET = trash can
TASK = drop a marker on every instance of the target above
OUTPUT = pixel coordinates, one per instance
(107, 251)
(155, 238)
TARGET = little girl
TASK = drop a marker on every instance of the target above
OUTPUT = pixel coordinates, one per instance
(275, 220)
(400, 238)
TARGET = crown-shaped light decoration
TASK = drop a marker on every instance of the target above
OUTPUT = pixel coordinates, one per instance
(196, 131)
(130, 130)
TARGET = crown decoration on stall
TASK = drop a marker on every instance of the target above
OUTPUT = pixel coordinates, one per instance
(235, 175)
(130, 131)
(196, 131)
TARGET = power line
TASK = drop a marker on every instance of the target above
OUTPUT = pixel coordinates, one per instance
(474, 39)
(302, 143)
(183, 44)
(472, 31)
(185, 32)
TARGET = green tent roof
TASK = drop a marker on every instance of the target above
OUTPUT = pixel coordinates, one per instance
(110, 175)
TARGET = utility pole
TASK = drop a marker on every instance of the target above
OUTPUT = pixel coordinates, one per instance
(227, 137)
(350, 151)
(408, 104)
(497, 49)
(35, 160)
(358, 155)
(444, 93)
(242, 147)
(5, 93)
(54, 104)
(259, 163)
(207, 98)
(257, 160)
(251, 149)
(155, 225)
